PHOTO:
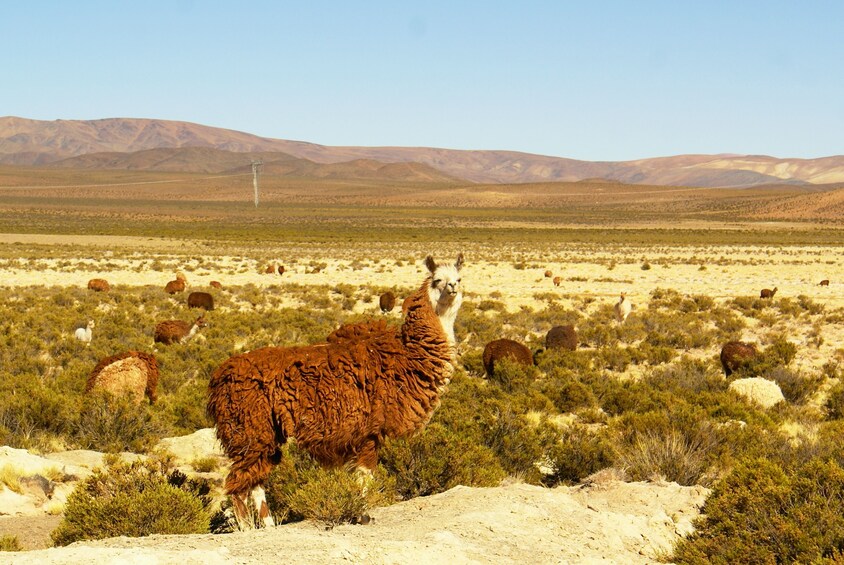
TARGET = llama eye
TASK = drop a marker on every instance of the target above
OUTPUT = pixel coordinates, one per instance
(437, 282)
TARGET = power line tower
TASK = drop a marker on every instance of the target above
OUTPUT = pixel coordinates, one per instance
(256, 168)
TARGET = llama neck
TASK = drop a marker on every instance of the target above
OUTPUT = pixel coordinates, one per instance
(447, 316)
(193, 329)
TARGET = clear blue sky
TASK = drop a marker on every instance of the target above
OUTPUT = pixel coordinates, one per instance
(612, 80)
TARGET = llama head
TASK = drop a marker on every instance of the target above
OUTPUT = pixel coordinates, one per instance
(200, 322)
(445, 289)
(91, 324)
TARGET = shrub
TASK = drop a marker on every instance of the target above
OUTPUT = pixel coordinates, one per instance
(10, 543)
(835, 402)
(578, 453)
(134, 499)
(762, 513)
(110, 423)
(796, 387)
(336, 496)
(438, 459)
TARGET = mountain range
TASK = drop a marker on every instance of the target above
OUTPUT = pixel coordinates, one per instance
(149, 144)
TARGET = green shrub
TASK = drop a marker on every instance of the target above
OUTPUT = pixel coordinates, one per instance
(566, 391)
(436, 460)
(796, 387)
(835, 402)
(336, 496)
(10, 543)
(762, 513)
(578, 453)
(134, 499)
(513, 377)
(113, 424)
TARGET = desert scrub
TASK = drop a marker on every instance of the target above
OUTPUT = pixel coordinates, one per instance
(112, 424)
(579, 451)
(336, 496)
(10, 543)
(438, 459)
(134, 499)
(764, 513)
(681, 446)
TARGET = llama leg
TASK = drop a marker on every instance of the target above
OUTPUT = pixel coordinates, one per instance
(366, 462)
(260, 500)
(246, 477)
(241, 511)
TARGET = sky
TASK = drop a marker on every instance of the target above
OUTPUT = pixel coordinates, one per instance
(590, 79)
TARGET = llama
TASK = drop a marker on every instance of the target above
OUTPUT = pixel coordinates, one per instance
(557, 281)
(767, 293)
(216, 284)
(201, 300)
(177, 331)
(622, 308)
(339, 399)
(736, 355)
(132, 372)
(387, 302)
(98, 285)
(83, 333)
(824, 282)
(281, 269)
(548, 274)
(561, 337)
(177, 285)
(500, 349)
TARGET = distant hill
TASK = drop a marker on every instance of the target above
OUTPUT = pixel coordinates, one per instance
(217, 161)
(32, 142)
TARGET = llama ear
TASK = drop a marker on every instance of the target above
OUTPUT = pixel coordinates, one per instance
(430, 263)
(459, 263)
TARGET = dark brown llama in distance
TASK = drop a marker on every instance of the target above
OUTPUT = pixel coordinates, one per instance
(338, 399)
(561, 337)
(824, 282)
(387, 302)
(201, 300)
(498, 350)
(736, 355)
(767, 293)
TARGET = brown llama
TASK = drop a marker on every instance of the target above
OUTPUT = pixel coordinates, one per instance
(561, 337)
(501, 349)
(548, 274)
(387, 302)
(824, 282)
(132, 372)
(175, 286)
(98, 285)
(767, 293)
(201, 300)
(215, 284)
(338, 399)
(177, 331)
(736, 355)
(557, 281)
(281, 269)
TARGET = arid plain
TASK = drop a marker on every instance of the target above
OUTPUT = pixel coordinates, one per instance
(600, 239)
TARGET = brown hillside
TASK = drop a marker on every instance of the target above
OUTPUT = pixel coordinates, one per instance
(210, 161)
(33, 142)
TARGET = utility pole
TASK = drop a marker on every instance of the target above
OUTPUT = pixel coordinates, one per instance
(256, 168)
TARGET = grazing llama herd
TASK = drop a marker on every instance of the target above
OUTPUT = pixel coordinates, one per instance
(342, 398)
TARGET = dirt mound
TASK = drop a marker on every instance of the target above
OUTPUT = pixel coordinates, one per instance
(605, 522)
